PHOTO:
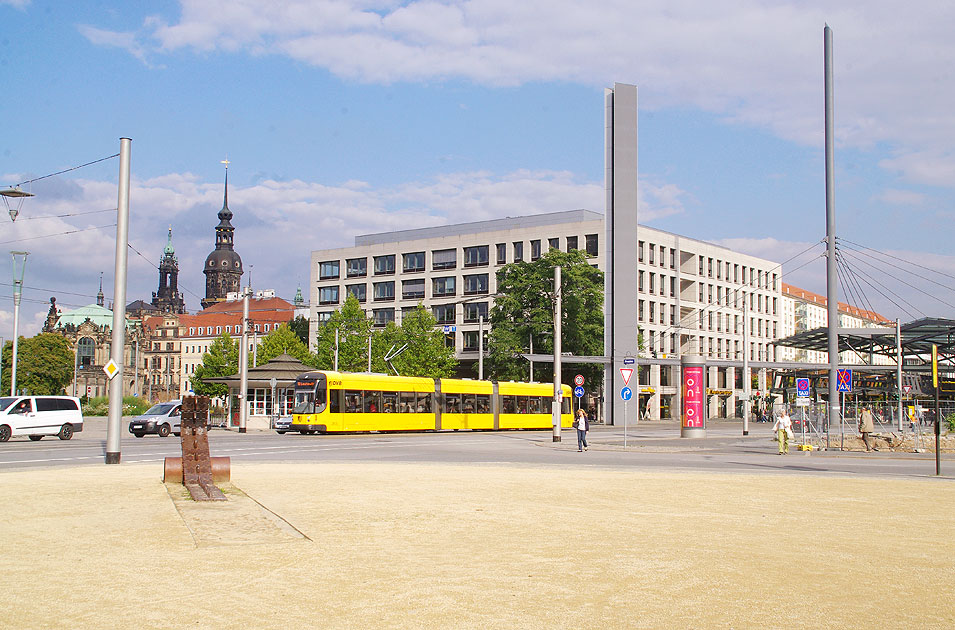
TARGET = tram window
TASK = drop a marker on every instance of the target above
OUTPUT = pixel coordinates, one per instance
(372, 402)
(468, 403)
(335, 401)
(509, 404)
(406, 402)
(352, 401)
(521, 404)
(389, 402)
(424, 402)
(452, 403)
(533, 404)
(483, 403)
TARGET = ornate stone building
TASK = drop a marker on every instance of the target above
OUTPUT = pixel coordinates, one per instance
(223, 268)
(168, 299)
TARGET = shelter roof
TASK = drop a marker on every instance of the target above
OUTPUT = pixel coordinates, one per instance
(284, 369)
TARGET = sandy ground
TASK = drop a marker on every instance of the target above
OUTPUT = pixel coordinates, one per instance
(437, 546)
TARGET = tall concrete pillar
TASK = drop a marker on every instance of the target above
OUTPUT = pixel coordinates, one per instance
(620, 243)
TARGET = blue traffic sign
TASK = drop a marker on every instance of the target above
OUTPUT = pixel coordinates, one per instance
(450, 329)
(802, 387)
(844, 380)
(626, 393)
(628, 361)
(579, 392)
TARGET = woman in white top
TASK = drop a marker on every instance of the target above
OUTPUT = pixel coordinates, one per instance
(582, 425)
(783, 429)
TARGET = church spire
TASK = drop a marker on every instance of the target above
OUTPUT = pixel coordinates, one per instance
(169, 248)
(100, 298)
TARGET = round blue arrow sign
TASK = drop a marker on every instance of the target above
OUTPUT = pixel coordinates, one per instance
(579, 392)
(626, 393)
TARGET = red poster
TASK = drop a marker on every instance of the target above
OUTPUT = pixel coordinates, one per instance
(693, 397)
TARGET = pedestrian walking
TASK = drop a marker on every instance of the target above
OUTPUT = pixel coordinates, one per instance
(581, 423)
(784, 431)
(866, 427)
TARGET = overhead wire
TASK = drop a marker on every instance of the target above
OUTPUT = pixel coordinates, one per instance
(34, 238)
(914, 264)
(67, 170)
(883, 262)
(908, 284)
(63, 216)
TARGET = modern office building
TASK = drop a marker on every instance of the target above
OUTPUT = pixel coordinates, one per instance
(690, 293)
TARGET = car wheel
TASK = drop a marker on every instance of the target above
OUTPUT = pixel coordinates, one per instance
(4, 433)
(36, 438)
(66, 432)
(163, 430)
(139, 435)
(281, 432)
(303, 431)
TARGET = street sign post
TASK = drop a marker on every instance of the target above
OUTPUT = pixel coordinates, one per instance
(111, 369)
(802, 388)
(626, 373)
(579, 379)
(579, 391)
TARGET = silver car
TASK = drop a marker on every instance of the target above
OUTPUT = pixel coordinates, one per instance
(161, 419)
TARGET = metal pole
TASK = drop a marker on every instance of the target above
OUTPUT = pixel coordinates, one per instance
(938, 435)
(115, 422)
(898, 369)
(337, 330)
(135, 370)
(530, 336)
(832, 296)
(480, 347)
(255, 347)
(76, 362)
(244, 364)
(369, 353)
(17, 293)
(747, 378)
(558, 315)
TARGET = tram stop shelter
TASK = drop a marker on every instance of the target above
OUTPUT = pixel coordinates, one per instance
(264, 405)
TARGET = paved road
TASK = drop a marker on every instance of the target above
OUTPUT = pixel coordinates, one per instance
(650, 446)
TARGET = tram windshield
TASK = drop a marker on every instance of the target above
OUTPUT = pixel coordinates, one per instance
(310, 394)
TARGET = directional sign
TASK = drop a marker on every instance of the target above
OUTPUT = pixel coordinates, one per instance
(626, 373)
(111, 369)
(802, 402)
(579, 391)
(802, 387)
(450, 329)
(626, 394)
(579, 379)
(628, 361)
(844, 380)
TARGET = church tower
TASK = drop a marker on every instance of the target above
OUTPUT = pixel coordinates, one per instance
(168, 299)
(223, 268)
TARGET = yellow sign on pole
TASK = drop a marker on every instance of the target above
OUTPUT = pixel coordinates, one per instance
(934, 365)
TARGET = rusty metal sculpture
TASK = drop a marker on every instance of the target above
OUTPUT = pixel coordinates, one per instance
(196, 469)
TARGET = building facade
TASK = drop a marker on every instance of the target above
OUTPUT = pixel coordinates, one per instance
(690, 293)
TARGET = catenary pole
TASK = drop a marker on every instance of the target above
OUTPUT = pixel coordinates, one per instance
(558, 314)
(747, 380)
(244, 364)
(115, 421)
(832, 296)
(481, 347)
(898, 368)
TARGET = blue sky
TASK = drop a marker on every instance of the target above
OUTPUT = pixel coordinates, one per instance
(356, 116)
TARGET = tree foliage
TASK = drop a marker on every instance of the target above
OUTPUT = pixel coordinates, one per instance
(222, 359)
(524, 309)
(353, 328)
(44, 364)
(283, 340)
(426, 354)
(299, 326)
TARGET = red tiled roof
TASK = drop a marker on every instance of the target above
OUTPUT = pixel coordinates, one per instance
(821, 300)
(255, 304)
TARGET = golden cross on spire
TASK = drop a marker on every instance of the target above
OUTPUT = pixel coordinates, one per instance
(226, 162)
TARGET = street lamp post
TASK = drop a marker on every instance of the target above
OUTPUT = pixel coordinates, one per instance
(17, 291)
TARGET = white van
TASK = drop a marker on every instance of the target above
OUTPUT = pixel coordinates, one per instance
(37, 416)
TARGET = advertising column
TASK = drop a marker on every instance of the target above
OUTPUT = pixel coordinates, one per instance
(693, 418)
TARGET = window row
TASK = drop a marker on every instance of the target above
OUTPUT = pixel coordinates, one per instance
(652, 258)
(476, 256)
(217, 330)
(475, 284)
(753, 277)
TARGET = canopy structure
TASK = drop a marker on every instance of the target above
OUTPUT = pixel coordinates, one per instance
(284, 369)
(917, 338)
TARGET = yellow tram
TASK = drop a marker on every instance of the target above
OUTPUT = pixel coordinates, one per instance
(328, 402)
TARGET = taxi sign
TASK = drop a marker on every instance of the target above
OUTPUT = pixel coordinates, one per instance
(111, 369)
(844, 380)
(802, 387)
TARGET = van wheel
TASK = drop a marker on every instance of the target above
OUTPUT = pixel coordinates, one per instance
(66, 432)
(36, 438)
(163, 430)
(139, 435)
(304, 431)
(176, 434)
(4, 433)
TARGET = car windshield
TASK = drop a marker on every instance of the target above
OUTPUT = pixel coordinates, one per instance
(7, 401)
(159, 410)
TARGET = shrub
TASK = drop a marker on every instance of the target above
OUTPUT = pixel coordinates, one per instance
(99, 406)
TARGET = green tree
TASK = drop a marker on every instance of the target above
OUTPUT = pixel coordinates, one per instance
(222, 359)
(299, 326)
(426, 354)
(524, 308)
(353, 327)
(44, 364)
(283, 340)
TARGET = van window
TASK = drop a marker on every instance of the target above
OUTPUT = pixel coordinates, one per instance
(24, 406)
(67, 404)
(6, 402)
(47, 404)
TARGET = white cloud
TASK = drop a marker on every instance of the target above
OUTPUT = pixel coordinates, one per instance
(751, 62)
(896, 197)
(125, 40)
(16, 4)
